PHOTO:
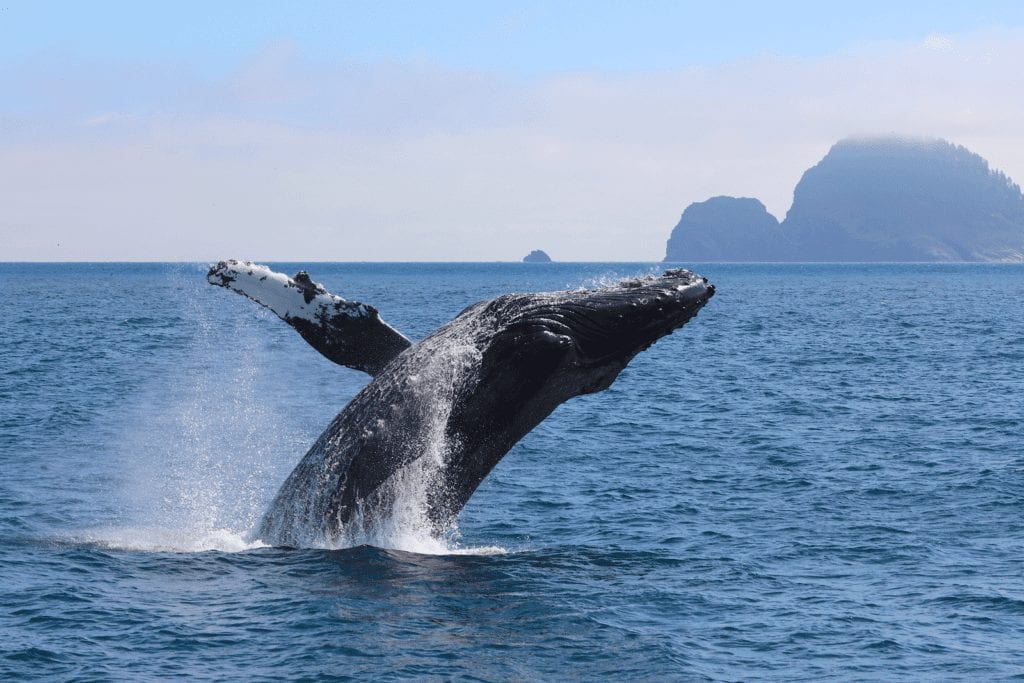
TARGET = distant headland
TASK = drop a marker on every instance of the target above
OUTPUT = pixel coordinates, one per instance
(869, 199)
(537, 256)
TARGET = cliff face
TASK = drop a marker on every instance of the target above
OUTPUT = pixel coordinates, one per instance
(726, 228)
(883, 199)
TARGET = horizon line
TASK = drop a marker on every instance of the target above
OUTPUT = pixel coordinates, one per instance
(520, 262)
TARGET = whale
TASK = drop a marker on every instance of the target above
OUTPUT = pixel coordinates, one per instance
(437, 416)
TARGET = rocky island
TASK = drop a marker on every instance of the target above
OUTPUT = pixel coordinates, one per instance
(869, 199)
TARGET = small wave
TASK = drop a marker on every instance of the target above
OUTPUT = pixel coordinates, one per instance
(444, 550)
(482, 550)
(416, 544)
(157, 539)
(166, 540)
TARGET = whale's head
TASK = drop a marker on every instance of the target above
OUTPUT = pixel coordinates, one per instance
(543, 349)
(540, 350)
(578, 341)
(532, 352)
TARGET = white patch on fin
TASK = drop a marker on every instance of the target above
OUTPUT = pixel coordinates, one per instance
(281, 294)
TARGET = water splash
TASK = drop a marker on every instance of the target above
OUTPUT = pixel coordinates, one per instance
(199, 451)
(207, 448)
(397, 514)
(406, 522)
(612, 278)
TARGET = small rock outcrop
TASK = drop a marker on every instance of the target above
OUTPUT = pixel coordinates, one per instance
(537, 256)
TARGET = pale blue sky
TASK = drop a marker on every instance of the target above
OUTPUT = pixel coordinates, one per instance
(461, 131)
(524, 38)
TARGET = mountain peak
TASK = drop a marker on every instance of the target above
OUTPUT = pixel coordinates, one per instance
(872, 199)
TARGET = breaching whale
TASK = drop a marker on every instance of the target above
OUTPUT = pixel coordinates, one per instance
(414, 443)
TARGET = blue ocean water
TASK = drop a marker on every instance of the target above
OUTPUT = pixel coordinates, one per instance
(821, 476)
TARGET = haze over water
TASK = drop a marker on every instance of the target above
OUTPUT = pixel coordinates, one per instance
(819, 477)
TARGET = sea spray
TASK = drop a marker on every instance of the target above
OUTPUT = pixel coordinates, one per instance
(397, 514)
(198, 444)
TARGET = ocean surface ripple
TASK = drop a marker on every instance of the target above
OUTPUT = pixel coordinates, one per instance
(820, 477)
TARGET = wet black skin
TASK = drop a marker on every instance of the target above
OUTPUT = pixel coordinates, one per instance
(545, 354)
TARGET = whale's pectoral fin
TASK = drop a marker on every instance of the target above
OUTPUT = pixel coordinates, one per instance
(347, 332)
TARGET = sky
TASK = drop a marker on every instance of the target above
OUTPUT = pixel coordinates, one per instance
(461, 131)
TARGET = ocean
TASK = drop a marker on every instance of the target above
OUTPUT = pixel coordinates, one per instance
(819, 477)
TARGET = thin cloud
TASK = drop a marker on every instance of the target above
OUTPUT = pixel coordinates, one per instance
(289, 158)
